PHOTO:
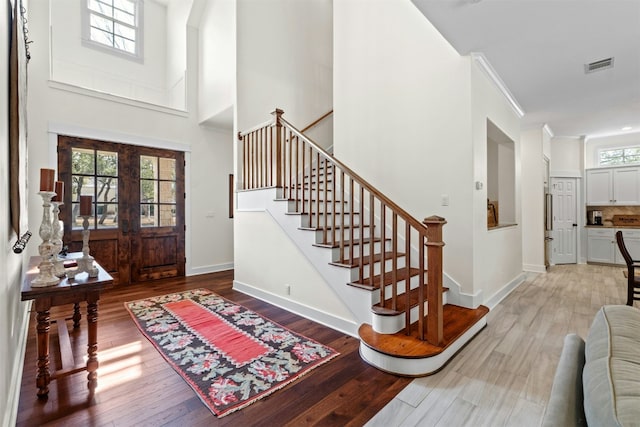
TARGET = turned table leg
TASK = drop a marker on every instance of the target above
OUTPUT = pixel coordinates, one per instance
(92, 343)
(76, 315)
(43, 378)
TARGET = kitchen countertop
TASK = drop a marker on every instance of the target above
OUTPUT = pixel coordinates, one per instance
(612, 226)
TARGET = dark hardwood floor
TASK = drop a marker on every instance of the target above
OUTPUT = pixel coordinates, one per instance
(137, 387)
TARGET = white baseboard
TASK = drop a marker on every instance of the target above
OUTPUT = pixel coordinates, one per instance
(534, 268)
(10, 416)
(210, 269)
(502, 293)
(456, 297)
(345, 326)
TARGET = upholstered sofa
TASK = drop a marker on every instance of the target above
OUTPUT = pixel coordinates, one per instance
(597, 382)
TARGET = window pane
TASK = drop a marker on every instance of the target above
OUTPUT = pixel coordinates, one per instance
(101, 23)
(107, 163)
(168, 169)
(76, 220)
(126, 5)
(107, 214)
(107, 190)
(124, 31)
(101, 7)
(148, 215)
(148, 191)
(82, 161)
(148, 167)
(167, 215)
(81, 185)
(167, 192)
(101, 37)
(125, 44)
(125, 17)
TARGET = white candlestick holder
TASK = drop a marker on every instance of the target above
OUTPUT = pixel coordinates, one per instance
(47, 248)
(85, 264)
(57, 229)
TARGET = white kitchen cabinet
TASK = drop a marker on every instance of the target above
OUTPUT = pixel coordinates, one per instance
(602, 246)
(613, 186)
(600, 243)
(632, 242)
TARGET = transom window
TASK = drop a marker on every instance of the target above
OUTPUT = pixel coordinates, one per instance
(619, 156)
(115, 24)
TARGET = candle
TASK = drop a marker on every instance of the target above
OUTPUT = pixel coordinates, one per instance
(46, 179)
(85, 205)
(59, 197)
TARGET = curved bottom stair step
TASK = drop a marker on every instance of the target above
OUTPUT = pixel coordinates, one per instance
(457, 321)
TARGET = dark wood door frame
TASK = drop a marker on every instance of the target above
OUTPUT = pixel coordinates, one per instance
(128, 252)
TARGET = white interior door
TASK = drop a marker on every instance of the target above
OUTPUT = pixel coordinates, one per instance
(565, 224)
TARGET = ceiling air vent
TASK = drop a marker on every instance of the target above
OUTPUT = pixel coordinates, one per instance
(603, 64)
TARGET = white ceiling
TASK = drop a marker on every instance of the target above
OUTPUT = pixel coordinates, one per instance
(539, 48)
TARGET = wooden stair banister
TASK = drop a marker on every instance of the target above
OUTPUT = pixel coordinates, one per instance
(345, 209)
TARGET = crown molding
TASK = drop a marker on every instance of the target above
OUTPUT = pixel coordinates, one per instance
(548, 130)
(486, 67)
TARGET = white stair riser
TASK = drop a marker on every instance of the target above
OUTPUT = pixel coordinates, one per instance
(376, 268)
(393, 324)
(328, 219)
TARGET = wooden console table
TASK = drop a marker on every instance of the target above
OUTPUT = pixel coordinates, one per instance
(68, 291)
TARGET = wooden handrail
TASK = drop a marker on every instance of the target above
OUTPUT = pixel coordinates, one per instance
(390, 203)
(316, 121)
(322, 188)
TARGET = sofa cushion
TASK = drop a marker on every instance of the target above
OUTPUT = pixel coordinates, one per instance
(611, 376)
(565, 404)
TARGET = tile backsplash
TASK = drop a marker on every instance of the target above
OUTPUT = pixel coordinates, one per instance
(609, 211)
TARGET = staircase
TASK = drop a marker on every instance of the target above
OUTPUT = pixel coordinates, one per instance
(391, 262)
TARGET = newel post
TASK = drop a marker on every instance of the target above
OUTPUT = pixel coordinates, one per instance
(277, 114)
(434, 278)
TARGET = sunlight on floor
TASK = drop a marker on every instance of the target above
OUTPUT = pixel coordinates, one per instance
(119, 365)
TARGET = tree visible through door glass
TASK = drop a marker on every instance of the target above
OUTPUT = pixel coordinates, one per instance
(95, 173)
(157, 191)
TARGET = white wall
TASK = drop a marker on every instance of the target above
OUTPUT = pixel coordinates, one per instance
(612, 141)
(272, 273)
(217, 68)
(13, 313)
(77, 64)
(402, 117)
(284, 60)
(497, 253)
(531, 143)
(567, 157)
(209, 152)
(177, 13)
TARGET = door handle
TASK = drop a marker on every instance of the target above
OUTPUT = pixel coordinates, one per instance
(575, 225)
(125, 227)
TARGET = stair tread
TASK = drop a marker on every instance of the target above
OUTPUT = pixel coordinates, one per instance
(401, 274)
(349, 243)
(365, 260)
(286, 199)
(337, 214)
(456, 321)
(401, 303)
(330, 227)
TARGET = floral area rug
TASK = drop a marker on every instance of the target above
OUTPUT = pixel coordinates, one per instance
(230, 355)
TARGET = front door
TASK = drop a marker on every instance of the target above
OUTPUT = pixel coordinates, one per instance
(137, 219)
(565, 225)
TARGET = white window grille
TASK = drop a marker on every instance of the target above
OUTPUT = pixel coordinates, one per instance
(115, 25)
(619, 156)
